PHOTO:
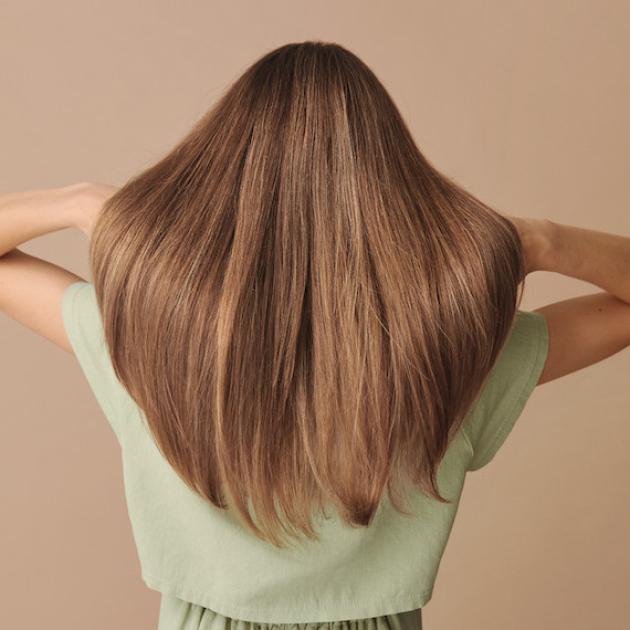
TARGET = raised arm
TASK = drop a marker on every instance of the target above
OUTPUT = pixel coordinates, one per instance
(31, 289)
(585, 329)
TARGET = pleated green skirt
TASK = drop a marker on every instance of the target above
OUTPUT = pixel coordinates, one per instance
(177, 614)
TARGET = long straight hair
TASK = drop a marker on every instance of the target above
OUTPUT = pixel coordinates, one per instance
(303, 307)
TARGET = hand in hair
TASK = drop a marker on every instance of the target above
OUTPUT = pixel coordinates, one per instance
(536, 238)
(91, 197)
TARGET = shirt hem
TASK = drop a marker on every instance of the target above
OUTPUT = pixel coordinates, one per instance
(281, 615)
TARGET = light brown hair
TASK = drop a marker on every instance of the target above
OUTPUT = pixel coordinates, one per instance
(303, 307)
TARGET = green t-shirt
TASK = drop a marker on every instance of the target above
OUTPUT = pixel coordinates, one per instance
(199, 553)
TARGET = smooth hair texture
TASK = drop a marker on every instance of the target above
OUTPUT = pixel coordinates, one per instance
(302, 306)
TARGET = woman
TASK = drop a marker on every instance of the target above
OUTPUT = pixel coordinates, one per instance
(293, 309)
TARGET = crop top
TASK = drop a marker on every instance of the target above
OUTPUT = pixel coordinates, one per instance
(191, 549)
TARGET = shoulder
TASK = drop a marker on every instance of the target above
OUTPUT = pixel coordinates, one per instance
(508, 386)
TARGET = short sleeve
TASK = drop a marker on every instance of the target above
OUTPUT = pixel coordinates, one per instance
(508, 386)
(83, 325)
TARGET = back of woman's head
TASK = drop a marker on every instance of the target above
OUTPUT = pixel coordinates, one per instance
(302, 306)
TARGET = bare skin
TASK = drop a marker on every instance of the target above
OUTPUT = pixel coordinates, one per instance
(582, 330)
(31, 289)
(588, 328)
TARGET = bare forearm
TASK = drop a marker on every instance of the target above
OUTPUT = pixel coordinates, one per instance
(600, 258)
(29, 214)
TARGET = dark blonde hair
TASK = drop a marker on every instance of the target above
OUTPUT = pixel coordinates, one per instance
(302, 306)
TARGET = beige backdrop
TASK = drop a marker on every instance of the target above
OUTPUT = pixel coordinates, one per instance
(525, 103)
